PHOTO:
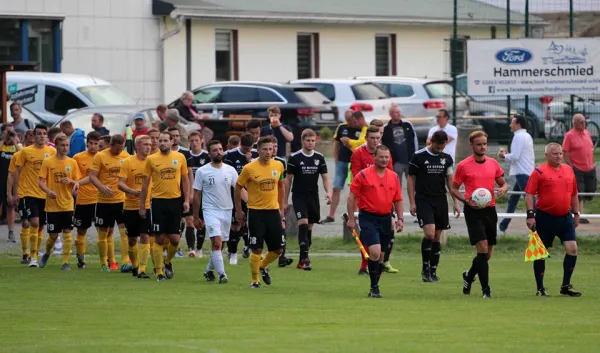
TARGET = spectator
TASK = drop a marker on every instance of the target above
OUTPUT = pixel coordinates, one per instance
(28, 138)
(578, 151)
(98, 125)
(19, 124)
(185, 107)
(52, 134)
(379, 124)
(254, 128)
(358, 121)
(172, 120)
(522, 163)
(8, 147)
(442, 117)
(281, 132)
(76, 138)
(233, 142)
(400, 137)
(139, 125)
(161, 111)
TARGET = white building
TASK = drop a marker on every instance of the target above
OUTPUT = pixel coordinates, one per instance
(155, 49)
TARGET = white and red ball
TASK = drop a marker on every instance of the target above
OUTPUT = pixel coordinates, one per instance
(482, 197)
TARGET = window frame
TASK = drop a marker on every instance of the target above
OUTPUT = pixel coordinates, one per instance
(233, 54)
(314, 56)
(392, 54)
(59, 93)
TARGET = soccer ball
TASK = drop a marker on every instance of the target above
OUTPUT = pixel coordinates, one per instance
(482, 197)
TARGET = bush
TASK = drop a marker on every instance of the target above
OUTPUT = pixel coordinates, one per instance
(325, 134)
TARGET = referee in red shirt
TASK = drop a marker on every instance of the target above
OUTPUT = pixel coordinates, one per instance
(478, 171)
(376, 188)
(556, 187)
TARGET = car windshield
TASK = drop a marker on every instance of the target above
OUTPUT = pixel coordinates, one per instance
(106, 95)
(442, 89)
(114, 122)
(368, 91)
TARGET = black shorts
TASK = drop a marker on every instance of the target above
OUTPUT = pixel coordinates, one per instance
(375, 229)
(108, 213)
(32, 207)
(3, 195)
(482, 224)
(84, 215)
(264, 226)
(548, 227)
(59, 221)
(307, 206)
(586, 182)
(165, 216)
(433, 210)
(134, 224)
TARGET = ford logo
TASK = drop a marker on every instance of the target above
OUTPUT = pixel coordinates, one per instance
(513, 56)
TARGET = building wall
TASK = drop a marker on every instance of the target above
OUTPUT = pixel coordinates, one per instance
(116, 40)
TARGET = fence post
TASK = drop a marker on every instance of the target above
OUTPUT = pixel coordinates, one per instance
(452, 54)
(527, 36)
(571, 36)
(508, 109)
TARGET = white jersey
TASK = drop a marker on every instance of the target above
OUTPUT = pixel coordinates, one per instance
(216, 184)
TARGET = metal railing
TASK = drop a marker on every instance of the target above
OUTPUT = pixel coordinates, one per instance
(500, 215)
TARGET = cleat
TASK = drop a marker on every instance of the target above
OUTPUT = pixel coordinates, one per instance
(41, 253)
(81, 261)
(425, 276)
(44, 260)
(33, 263)
(25, 260)
(363, 271)
(570, 291)
(104, 269)
(223, 279)
(387, 267)
(11, 237)
(127, 267)
(160, 278)
(542, 293)
(266, 275)
(433, 276)
(65, 267)
(374, 293)
(246, 253)
(283, 262)
(135, 271)
(327, 220)
(487, 293)
(179, 253)
(306, 264)
(169, 270)
(199, 253)
(191, 253)
(233, 260)
(142, 275)
(255, 285)
(113, 266)
(210, 276)
(466, 283)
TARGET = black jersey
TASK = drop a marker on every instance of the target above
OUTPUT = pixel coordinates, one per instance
(431, 171)
(282, 161)
(306, 170)
(197, 161)
(237, 159)
(185, 152)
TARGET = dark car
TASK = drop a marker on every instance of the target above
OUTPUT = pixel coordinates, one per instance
(301, 106)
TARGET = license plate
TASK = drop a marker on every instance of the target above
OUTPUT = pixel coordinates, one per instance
(327, 116)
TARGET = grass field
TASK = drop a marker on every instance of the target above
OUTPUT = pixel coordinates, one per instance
(326, 310)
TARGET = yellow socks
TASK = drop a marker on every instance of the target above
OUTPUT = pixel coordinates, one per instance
(67, 245)
(25, 241)
(254, 266)
(143, 256)
(33, 242)
(110, 247)
(103, 245)
(124, 246)
(157, 255)
(133, 255)
(171, 251)
(152, 249)
(269, 257)
(49, 245)
(80, 244)
(40, 237)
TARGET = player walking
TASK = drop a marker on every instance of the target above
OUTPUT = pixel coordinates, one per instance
(131, 178)
(167, 171)
(104, 174)
(26, 177)
(304, 168)
(212, 185)
(283, 261)
(429, 173)
(479, 171)
(198, 157)
(556, 187)
(13, 196)
(263, 178)
(58, 179)
(376, 188)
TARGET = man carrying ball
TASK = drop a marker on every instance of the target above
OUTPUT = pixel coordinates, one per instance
(478, 171)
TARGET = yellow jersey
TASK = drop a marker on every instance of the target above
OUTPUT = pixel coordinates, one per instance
(88, 194)
(133, 172)
(30, 161)
(11, 169)
(261, 182)
(165, 172)
(108, 168)
(53, 170)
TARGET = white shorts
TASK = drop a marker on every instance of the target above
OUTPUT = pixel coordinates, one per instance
(217, 223)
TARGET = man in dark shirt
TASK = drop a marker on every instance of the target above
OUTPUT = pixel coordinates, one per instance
(254, 128)
(282, 133)
(197, 157)
(98, 124)
(400, 137)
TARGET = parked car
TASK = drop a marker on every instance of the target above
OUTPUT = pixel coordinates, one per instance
(301, 106)
(53, 95)
(359, 95)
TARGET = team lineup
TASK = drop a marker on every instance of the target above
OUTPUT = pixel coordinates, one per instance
(242, 193)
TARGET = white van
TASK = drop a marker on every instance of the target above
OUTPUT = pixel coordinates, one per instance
(52, 95)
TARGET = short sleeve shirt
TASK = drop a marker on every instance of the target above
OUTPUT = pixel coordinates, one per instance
(475, 175)
(261, 181)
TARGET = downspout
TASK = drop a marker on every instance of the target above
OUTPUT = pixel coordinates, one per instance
(179, 20)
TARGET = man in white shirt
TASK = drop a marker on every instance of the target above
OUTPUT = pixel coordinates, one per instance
(213, 185)
(522, 162)
(442, 117)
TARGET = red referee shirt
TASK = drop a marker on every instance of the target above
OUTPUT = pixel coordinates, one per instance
(478, 175)
(362, 158)
(376, 194)
(554, 188)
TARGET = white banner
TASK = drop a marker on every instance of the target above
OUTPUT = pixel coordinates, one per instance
(518, 67)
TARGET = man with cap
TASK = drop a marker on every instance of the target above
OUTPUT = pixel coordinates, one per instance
(139, 125)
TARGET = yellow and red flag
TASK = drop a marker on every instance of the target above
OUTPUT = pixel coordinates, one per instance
(535, 248)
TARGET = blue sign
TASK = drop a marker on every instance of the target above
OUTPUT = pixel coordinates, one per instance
(514, 56)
